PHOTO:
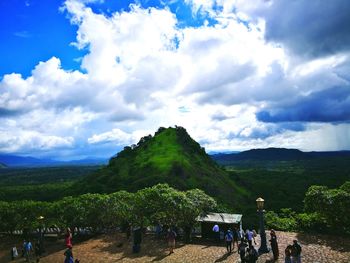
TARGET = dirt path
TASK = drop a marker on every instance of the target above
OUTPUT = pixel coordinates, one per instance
(108, 248)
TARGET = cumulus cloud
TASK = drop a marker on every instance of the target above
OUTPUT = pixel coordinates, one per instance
(116, 136)
(307, 28)
(234, 83)
(27, 142)
(330, 105)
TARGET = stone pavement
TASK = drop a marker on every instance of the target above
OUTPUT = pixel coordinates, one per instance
(109, 248)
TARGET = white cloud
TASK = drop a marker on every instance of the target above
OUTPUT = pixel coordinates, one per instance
(27, 142)
(116, 136)
(141, 68)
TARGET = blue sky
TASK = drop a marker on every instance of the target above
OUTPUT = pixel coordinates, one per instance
(34, 30)
(84, 78)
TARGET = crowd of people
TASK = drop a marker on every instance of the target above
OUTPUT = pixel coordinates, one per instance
(246, 249)
(244, 241)
(293, 253)
(32, 253)
(28, 252)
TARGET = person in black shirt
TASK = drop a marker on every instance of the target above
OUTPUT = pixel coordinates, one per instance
(274, 245)
(296, 252)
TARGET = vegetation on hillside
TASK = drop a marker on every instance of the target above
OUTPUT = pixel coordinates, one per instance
(170, 156)
(41, 184)
(325, 210)
(285, 183)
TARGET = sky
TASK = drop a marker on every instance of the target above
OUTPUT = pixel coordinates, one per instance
(84, 78)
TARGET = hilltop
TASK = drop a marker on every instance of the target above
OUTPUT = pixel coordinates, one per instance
(170, 156)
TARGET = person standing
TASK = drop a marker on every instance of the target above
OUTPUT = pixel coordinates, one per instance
(241, 234)
(137, 233)
(28, 250)
(296, 252)
(274, 244)
(24, 248)
(171, 238)
(250, 237)
(242, 249)
(235, 235)
(288, 253)
(252, 255)
(216, 231)
(37, 250)
(68, 238)
(228, 239)
(69, 255)
(159, 230)
(14, 253)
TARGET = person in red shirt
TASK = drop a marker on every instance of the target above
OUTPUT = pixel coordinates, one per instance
(68, 238)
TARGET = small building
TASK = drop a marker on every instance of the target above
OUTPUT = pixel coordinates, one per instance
(223, 220)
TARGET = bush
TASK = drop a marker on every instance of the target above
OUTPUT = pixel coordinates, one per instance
(311, 222)
(277, 222)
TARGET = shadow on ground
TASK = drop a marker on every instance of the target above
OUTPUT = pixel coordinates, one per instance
(338, 243)
(151, 247)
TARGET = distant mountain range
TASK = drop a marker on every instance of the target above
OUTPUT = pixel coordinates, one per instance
(9, 161)
(268, 154)
(274, 154)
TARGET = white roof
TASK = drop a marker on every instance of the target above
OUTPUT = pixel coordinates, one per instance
(221, 218)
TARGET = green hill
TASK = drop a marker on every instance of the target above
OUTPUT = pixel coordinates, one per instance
(170, 156)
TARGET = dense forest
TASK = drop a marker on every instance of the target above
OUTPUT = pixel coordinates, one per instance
(41, 184)
(172, 156)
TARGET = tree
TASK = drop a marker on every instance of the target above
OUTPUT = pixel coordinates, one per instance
(332, 204)
(117, 209)
(194, 204)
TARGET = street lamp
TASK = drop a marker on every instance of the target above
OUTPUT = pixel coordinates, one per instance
(263, 246)
(41, 239)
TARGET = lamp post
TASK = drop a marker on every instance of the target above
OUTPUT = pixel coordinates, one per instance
(263, 246)
(41, 239)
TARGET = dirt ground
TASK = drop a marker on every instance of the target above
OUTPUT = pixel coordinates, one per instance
(115, 248)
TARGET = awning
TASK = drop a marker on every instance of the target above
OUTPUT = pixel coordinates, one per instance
(221, 218)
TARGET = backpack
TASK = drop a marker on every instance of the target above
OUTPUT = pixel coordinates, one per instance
(228, 237)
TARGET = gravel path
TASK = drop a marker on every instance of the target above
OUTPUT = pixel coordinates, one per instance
(109, 248)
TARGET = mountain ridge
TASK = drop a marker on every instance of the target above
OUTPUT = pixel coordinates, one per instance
(14, 161)
(275, 154)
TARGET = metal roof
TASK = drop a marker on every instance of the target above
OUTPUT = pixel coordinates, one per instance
(221, 218)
